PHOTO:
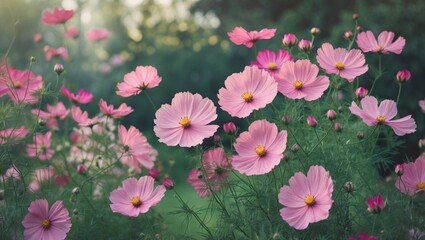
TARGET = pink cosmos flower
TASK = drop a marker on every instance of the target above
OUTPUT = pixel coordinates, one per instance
(97, 34)
(39, 176)
(12, 135)
(41, 147)
(82, 97)
(136, 81)
(259, 149)
(121, 111)
(413, 179)
(185, 121)
(57, 111)
(135, 150)
(422, 105)
(42, 223)
(240, 36)
(270, 61)
(50, 52)
(136, 196)
(346, 64)
(21, 86)
(82, 117)
(308, 199)
(11, 172)
(375, 204)
(57, 16)
(196, 180)
(299, 80)
(247, 91)
(71, 33)
(371, 115)
(368, 43)
(216, 165)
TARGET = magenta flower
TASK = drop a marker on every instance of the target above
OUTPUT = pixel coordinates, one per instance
(368, 43)
(185, 121)
(97, 34)
(413, 179)
(259, 149)
(247, 91)
(50, 52)
(339, 61)
(270, 61)
(371, 115)
(240, 36)
(21, 86)
(82, 97)
(216, 165)
(361, 92)
(422, 105)
(136, 196)
(197, 181)
(363, 236)
(299, 79)
(135, 82)
(375, 204)
(311, 121)
(57, 16)
(71, 33)
(308, 199)
(12, 135)
(82, 117)
(41, 147)
(121, 111)
(136, 150)
(42, 223)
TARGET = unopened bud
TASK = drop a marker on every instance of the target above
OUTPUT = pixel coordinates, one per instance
(399, 169)
(286, 119)
(285, 157)
(229, 128)
(311, 121)
(305, 45)
(314, 31)
(348, 35)
(32, 59)
(58, 68)
(338, 127)
(168, 183)
(340, 108)
(331, 114)
(154, 174)
(81, 169)
(359, 28)
(295, 148)
(349, 186)
(403, 76)
(421, 144)
(75, 211)
(216, 138)
(355, 16)
(1, 194)
(361, 92)
(131, 171)
(289, 40)
(76, 190)
(360, 134)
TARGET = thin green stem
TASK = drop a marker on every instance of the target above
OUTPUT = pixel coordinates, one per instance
(150, 100)
(378, 75)
(399, 92)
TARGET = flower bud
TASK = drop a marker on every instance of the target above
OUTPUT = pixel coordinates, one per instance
(285, 157)
(359, 28)
(295, 148)
(58, 68)
(340, 108)
(311, 121)
(305, 45)
(355, 16)
(168, 183)
(216, 138)
(349, 187)
(131, 171)
(360, 134)
(289, 40)
(32, 59)
(1, 194)
(314, 31)
(421, 144)
(75, 211)
(338, 127)
(81, 169)
(348, 35)
(229, 128)
(361, 92)
(331, 114)
(154, 174)
(41, 122)
(403, 76)
(75, 190)
(399, 169)
(286, 119)
(375, 204)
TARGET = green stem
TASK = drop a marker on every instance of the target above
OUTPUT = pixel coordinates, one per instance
(150, 100)
(378, 75)
(399, 92)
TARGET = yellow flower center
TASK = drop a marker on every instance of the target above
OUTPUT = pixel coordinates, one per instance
(136, 201)
(272, 66)
(17, 84)
(380, 48)
(247, 96)
(298, 84)
(261, 151)
(420, 185)
(381, 119)
(339, 65)
(185, 122)
(45, 224)
(309, 200)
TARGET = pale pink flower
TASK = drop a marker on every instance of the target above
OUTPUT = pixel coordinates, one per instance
(216, 165)
(289, 40)
(270, 61)
(422, 105)
(241, 36)
(12, 135)
(37, 37)
(39, 176)
(136, 196)
(135, 149)
(247, 91)
(185, 121)
(82, 117)
(371, 115)
(11, 172)
(82, 96)
(136, 81)
(121, 111)
(339, 61)
(21, 86)
(197, 180)
(41, 147)
(413, 179)
(308, 199)
(57, 16)
(259, 149)
(368, 43)
(375, 204)
(42, 223)
(50, 52)
(97, 34)
(299, 79)
(57, 111)
(71, 33)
